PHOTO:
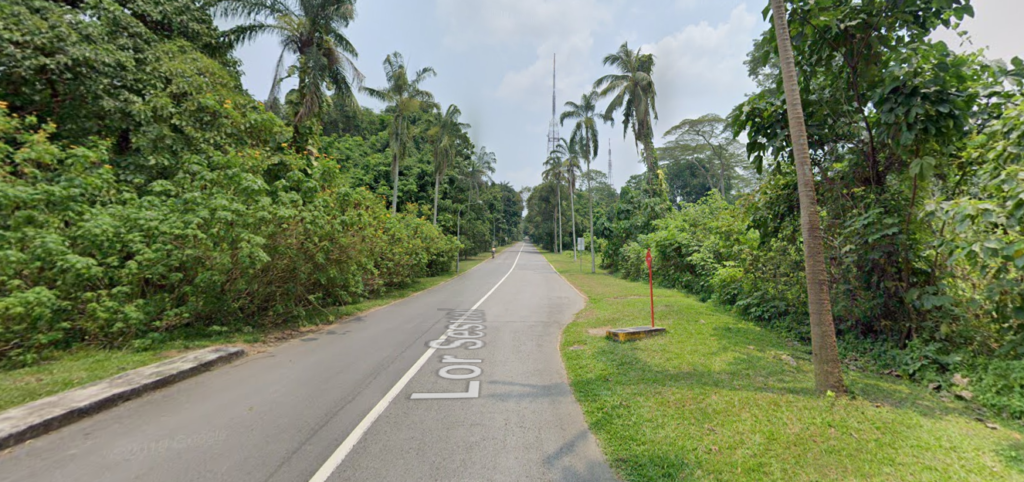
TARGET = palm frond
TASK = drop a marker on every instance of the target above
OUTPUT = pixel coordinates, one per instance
(252, 9)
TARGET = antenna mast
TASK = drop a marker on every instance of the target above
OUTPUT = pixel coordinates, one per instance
(553, 135)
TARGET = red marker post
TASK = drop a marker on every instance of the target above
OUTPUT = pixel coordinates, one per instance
(650, 273)
(638, 332)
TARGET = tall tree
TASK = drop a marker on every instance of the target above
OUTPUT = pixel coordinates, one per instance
(584, 136)
(481, 167)
(311, 30)
(445, 136)
(569, 154)
(825, 353)
(632, 91)
(554, 173)
(710, 133)
(405, 97)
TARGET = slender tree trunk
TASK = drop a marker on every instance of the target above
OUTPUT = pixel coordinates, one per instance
(572, 208)
(437, 185)
(651, 160)
(590, 194)
(394, 190)
(721, 178)
(825, 354)
(554, 233)
(559, 187)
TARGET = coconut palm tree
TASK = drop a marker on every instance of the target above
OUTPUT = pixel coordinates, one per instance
(825, 354)
(445, 136)
(481, 167)
(554, 173)
(584, 136)
(632, 91)
(405, 97)
(567, 151)
(311, 30)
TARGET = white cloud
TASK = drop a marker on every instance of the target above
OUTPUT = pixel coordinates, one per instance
(701, 67)
(470, 22)
(532, 84)
(562, 27)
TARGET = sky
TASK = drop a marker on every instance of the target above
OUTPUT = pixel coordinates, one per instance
(494, 60)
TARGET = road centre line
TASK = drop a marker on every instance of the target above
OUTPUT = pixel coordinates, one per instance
(349, 443)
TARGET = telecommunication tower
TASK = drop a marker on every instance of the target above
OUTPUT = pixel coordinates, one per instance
(553, 136)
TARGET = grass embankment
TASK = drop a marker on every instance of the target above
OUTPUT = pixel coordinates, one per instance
(715, 399)
(86, 365)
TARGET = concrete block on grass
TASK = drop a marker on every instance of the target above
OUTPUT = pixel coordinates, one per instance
(28, 421)
(634, 333)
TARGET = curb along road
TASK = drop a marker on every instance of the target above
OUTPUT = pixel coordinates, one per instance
(33, 419)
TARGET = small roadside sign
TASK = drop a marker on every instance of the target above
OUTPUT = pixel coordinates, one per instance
(580, 245)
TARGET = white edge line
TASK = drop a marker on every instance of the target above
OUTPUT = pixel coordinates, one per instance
(353, 438)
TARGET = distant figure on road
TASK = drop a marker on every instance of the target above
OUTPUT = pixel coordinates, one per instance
(492, 252)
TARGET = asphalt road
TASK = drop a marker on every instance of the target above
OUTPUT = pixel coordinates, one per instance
(463, 382)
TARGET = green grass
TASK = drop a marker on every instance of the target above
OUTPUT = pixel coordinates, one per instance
(71, 369)
(713, 399)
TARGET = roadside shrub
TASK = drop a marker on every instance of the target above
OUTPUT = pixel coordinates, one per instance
(91, 254)
(1000, 387)
(708, 249)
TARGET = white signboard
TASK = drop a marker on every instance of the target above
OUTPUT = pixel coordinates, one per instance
(580, 245)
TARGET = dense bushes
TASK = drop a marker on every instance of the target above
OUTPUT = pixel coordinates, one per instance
(90, 255)
(736, 256)
(708, 249)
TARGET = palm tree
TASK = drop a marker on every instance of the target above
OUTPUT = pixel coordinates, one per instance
(554, 174)
(311, 30)
(445, 135)
(481, 167)
(405, 97)
(567, 151)
(584, 136)
(825, 353)
(632, 91)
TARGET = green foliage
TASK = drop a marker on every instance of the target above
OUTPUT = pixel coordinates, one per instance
(90, 69)
(983, 243)
(708, 249)
(1001, 387)
(634, 215)
(703, 155)
(90, 259)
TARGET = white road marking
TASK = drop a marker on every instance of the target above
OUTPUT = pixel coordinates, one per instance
(472, 392)
(346, 446)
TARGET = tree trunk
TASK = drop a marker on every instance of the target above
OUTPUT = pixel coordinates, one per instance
(394, 190)
(396, 151)
(721, 178)
(825, 354)
(559, 210)
(437, 184)
(572, 208)
(651, 161)
(590, 194)
(554, 233)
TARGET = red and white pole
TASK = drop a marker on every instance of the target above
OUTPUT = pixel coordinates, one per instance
(650, 274)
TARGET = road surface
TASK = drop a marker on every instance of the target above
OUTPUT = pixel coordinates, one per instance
(462, 382)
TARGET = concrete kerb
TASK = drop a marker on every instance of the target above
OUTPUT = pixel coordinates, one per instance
(25, 422)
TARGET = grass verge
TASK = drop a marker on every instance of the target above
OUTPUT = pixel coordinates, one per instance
(86, 365)
(718, 398)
